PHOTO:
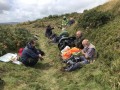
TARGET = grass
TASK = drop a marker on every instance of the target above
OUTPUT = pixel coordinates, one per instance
(104, 74)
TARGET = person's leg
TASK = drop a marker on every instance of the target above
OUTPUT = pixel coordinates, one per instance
(73, 67)
(75, 58)
(25, 62)
(33, 62)
(49, 35)
(30, 62)
(83, 60)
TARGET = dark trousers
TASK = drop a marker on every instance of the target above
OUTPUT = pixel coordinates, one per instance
(30, 62)
(76, 63)
(73, 67)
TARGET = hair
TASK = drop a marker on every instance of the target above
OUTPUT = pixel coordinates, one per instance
(32, 42)
(85, 41)
(80, 32)
(48, 25)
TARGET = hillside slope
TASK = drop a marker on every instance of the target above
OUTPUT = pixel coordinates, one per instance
(104, 74)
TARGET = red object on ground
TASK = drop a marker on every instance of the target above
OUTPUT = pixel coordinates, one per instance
(20, 51)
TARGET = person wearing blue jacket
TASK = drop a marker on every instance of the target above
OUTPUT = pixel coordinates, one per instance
(31, 55)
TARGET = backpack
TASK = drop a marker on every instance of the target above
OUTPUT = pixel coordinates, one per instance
(66, 41)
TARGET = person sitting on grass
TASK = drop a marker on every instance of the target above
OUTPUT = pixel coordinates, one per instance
(48, 31)
(79, 39)
(88, 56)
(88, 51)
(31, 55)
(55, 39)
(64, 21)
(71, 21)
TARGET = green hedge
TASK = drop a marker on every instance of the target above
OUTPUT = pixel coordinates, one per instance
(13, 39)
(94, 19)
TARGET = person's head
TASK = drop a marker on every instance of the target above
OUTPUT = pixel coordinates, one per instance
(64, 17)
(85, 43)
(33, 42)
(71, 18)
(78, 34)
(48, 25)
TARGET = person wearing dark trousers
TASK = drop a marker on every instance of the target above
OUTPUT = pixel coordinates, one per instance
(88, 53)
(31, 55)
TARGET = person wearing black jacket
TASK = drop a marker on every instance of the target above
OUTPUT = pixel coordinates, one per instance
(31, 55)
(48, 31)
(79, 39)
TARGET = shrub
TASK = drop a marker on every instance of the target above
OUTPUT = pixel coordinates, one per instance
(22, 36)
(94, 19)
(38, 25)
(12, 39)
(53, 16)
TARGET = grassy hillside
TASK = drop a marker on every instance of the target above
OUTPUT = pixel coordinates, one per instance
(104, 74)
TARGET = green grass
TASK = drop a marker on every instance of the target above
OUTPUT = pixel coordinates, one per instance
(104, 74)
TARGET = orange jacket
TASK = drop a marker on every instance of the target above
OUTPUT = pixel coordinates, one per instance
(66, 55)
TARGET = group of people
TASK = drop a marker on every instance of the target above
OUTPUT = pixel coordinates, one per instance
(81, 53)
(83, 49)
(66, 22)
(30, 55)
(84, 54)
(54, 37)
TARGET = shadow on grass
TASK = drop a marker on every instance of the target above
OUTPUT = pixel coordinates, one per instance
(43, 66)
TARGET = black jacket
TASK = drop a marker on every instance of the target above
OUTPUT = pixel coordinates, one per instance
(48, 32)
(78, 42)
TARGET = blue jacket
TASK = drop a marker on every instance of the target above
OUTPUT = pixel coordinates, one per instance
(29, 52)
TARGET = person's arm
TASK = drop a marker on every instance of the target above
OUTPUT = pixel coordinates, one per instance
(82, 51)
(89, 53)
(52, 28)
(32, 54)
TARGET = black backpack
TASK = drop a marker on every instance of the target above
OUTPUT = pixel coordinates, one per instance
(66, 41)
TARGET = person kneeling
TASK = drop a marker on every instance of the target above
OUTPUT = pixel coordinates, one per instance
(31, 55)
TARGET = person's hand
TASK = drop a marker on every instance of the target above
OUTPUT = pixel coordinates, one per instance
(40, 56)
(82, 52)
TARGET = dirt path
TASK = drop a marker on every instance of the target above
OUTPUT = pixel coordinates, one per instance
(49, 66)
